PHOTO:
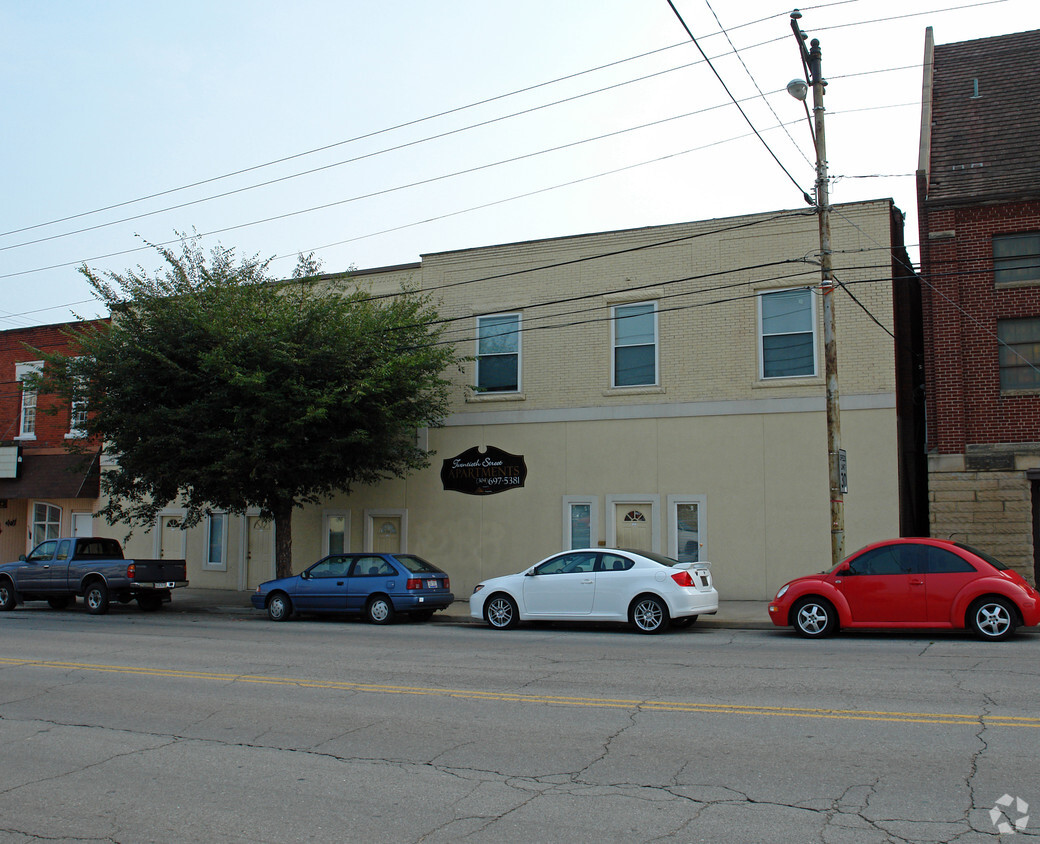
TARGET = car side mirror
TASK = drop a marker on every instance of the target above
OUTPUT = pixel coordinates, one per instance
(845, 570)
(305, 575)
(21, 558)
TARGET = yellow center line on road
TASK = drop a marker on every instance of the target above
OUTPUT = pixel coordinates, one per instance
(967, 719)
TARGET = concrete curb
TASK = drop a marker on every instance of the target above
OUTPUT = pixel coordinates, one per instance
(737, 615)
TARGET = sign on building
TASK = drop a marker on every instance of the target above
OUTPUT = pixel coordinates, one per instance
(476, 472)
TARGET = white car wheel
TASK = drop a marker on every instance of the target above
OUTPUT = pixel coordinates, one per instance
(649, 614)
(501, 613)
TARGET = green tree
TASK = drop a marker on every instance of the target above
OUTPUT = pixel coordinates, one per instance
(222, 389)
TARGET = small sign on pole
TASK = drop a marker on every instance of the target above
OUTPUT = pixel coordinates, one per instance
(843, 472)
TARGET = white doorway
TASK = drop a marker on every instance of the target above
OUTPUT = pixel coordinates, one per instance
(172, 540)
(632, 525)
(82, 524)
(259, 551)
(634, 522)
(386, 531)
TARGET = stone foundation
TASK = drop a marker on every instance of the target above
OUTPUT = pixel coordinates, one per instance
(990, 509)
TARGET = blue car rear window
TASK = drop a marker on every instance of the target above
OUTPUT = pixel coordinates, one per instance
(417, 565)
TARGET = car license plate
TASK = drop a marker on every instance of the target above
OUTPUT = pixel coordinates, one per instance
(431, 584)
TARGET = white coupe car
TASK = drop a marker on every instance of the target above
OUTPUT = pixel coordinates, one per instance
(599, 584)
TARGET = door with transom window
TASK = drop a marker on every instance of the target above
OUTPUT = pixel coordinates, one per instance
(259, 551)
(385, 532)
(633, 526)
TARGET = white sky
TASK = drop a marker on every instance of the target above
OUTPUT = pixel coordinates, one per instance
(111, 102)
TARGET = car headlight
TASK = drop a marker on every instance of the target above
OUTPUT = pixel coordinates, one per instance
(783, 590)
(477, 588)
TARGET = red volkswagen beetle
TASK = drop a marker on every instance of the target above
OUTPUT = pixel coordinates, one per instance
(910, 583)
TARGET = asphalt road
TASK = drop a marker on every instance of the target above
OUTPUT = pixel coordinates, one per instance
(169, 727)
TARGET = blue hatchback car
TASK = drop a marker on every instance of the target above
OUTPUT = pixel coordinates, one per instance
(377, 586)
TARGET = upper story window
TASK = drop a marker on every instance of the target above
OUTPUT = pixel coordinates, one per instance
(78, 412)
(787, 321)
(498, 353)
(27, 422)
(634, 361)
(1016, 258)
(1019, 353)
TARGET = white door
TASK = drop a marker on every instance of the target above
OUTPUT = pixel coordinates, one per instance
(259, 551)
(386, 534)
(633, 526)
(171, 538)
(82, 524)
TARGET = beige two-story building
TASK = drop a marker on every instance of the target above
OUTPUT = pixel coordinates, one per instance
(657, 388)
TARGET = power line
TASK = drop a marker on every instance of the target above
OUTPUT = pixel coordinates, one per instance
(344, 142)
(383, 150)
(808, 199)
(398, 188)
(758, 88)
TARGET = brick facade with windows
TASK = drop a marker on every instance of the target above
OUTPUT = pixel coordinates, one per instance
(43, 487)
(978, 184)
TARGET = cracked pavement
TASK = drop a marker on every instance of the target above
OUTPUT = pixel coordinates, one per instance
(123, 730)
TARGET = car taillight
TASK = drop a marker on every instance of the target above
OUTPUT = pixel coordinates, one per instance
(683, 578)
(413, 583)
(447, 583)
(130, 571)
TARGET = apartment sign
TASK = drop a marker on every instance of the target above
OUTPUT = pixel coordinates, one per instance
(476, 472)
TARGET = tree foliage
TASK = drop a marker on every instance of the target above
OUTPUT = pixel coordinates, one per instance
(220, 389)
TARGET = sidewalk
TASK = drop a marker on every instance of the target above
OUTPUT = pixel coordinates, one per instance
(743, 615)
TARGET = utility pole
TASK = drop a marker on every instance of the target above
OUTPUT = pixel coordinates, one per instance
(812, 63)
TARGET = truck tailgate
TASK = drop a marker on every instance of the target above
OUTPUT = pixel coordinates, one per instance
(160, 571)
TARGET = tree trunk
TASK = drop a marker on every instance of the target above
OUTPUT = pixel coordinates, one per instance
(283, 540)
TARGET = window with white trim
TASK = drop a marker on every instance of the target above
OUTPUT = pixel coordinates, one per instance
(498, 353)
(580, 521)
(1016, 258)
(634, 345)
(78, 411)
(216, 541)
(686, 528)
(27, 418)
(46, 522)
(787, 334)
(581, 525)
(336, 532)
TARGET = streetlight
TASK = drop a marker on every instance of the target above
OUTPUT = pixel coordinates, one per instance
(799, 89)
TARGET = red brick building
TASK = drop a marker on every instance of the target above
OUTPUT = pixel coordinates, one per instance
(978, 185)
(45, 490)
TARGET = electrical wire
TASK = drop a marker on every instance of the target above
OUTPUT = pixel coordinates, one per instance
(794, 181)
(383, 150)
(754, 81)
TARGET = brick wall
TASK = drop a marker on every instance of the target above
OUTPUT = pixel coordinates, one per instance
(961, 309)
(50, 428)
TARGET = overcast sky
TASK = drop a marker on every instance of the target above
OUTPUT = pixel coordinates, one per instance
(374, 133)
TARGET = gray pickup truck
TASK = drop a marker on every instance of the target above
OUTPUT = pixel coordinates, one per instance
(59, 570)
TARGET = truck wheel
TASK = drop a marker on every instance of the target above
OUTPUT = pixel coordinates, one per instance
(149, 603)
(7, 596)
(58, 603)
(96, 597)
